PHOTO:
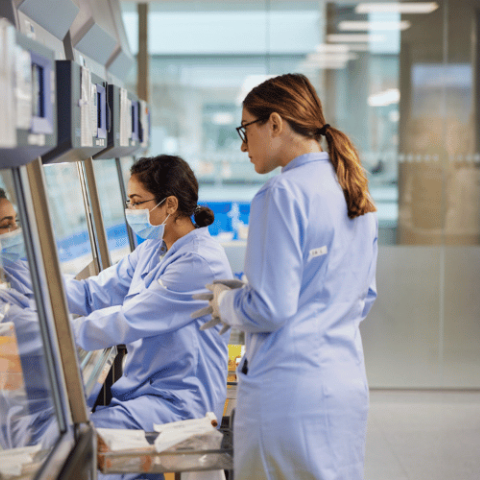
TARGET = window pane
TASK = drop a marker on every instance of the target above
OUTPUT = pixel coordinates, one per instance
(69, 219)
(112, 205)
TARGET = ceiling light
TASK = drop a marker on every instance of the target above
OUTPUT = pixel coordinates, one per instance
(378, 25)
(331, 56)
(359, 38)
(332, 48)
(326, 65)
(385, 98)
(397, 7)
(342, 47)
(359, 47)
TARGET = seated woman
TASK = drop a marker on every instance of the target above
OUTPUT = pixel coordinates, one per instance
(174, 371)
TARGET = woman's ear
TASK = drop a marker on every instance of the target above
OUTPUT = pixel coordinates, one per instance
(277, 124)
(172, 204)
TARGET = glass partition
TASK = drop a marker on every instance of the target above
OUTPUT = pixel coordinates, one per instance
(29, 425)
(113, 208)
(69, 218)
(74, 244)
(402, 80)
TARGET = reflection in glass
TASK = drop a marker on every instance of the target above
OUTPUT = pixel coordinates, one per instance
(27, 412)
(69, 220)
(68, 217)
(112, 206)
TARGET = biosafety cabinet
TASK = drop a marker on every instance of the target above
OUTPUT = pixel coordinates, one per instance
(28, 123)
(81, 112)
(44, 420)
(47, 385)
(129, 130)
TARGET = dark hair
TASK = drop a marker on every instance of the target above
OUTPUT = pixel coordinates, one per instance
(167, 175)
(294, 98)
(3, 194)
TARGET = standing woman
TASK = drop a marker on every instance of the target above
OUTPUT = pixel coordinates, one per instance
(174, 371)
(310, 263)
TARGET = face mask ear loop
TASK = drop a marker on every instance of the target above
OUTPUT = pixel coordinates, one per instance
(159, 203)
(165, 221)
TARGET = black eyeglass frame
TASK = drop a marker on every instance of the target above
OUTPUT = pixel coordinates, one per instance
(242, 133)
(129, 204)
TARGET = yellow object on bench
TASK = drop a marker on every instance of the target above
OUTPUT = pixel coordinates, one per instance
(11, 374)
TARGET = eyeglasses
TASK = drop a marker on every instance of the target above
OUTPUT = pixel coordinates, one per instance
(10, 224)
(129, 204)
(242, 132)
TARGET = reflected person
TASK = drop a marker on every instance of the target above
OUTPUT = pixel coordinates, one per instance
(27, 414)
(15, 271)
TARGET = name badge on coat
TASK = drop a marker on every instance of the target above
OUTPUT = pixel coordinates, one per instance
(317, 252)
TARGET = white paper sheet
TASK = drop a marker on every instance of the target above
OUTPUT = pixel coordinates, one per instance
(23, 88)
(86, 139)
(123, 439)
(125, 118)
(8, 133)
(12, 460)
(176, 432)
(144, 121)
(94, 110)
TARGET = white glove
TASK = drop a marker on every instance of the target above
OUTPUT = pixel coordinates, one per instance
(216, 288)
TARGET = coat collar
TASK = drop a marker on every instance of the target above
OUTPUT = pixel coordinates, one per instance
(306, 158)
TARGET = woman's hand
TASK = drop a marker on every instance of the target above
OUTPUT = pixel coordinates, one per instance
(213, 298)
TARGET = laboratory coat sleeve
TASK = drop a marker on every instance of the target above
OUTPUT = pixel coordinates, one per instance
(273, 265)
(162, 307)
(104, 290)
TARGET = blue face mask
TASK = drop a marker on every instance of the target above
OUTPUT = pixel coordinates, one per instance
(139, 221)
(12, 246)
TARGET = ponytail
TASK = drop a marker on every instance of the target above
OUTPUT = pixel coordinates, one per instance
(350, 173)
(203, 216)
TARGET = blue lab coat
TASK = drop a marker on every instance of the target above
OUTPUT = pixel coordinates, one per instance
(174, 371)
(302, 406)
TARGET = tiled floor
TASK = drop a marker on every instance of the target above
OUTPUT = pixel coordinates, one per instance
(423, 435)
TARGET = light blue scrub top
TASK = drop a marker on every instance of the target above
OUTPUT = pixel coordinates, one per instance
(145, 302)
(302, 405)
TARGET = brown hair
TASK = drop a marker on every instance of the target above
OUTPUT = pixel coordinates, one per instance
(293, 97)
(166, 175)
